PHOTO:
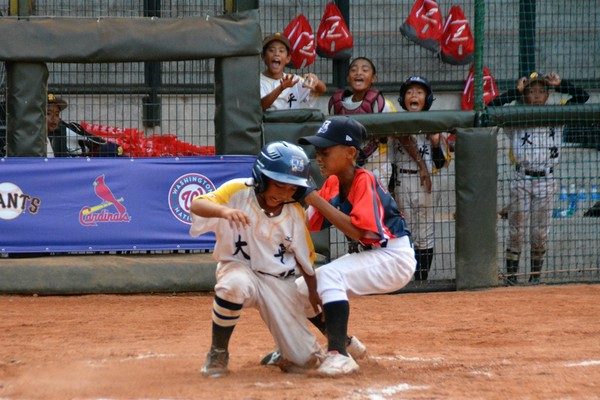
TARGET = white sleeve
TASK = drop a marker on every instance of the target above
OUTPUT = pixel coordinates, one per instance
(266, 86)
(201, 225)
(304, 250)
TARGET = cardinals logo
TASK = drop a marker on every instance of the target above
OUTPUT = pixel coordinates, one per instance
(92, 215)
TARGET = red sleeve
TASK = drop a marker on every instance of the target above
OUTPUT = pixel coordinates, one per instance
(330, 189)
(366, 207)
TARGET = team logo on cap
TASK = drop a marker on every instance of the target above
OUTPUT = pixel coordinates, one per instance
(324, 127)
(297, 164)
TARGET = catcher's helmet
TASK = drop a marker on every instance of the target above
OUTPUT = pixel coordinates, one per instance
(283, 162)
(419, 80)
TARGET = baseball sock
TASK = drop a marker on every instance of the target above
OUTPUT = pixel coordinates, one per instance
(536, 269)
(424, 259)
(225, 316)
(318, 322)
(336, 320)
(512, 267)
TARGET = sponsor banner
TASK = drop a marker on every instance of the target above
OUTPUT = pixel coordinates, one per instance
(100, 204)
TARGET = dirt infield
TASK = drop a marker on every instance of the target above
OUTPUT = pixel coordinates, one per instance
(528, 343)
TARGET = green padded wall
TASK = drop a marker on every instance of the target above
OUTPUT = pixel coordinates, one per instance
(476, 218)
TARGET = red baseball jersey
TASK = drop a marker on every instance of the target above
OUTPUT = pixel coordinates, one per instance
(369, 206)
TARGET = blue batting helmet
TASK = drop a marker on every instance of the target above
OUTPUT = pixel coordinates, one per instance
(283, 162)
(419, 80)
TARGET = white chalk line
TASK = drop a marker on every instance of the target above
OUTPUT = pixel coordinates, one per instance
(135, 357)
(588, 363)
(402, 358)
(383, 392)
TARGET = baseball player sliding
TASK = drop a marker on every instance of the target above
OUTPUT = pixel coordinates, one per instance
(261, 242)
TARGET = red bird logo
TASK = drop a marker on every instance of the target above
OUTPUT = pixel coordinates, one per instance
(106, 195)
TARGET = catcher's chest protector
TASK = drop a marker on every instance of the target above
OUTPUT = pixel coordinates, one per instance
(373, 98)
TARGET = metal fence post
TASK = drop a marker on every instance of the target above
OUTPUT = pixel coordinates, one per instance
(340, 67)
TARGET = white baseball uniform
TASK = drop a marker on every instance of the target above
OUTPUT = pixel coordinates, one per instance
(296, 96)
(257, 264)
(413, 199)
(535, 153)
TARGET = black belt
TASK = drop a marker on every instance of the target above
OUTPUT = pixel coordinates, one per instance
(285, 274)
(408, 171)
(535, 174)
(357, 247)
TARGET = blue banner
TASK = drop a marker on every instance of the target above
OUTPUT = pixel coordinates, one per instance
(101, 204)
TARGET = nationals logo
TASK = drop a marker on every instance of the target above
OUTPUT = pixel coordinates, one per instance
(182, 193)
(92, 215)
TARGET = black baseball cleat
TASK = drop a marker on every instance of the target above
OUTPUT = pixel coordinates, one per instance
(272, 358)
(216, 362)
(511, 280)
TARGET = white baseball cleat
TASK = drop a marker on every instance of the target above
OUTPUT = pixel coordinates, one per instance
(355, 348)
(337, 364)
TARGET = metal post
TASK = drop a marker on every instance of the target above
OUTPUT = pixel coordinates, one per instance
(340, 67)
(151, 106)
(478, 64)
(527, 11)
(233, 6)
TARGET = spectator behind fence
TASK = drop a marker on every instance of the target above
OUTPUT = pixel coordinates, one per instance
(56, 130)
(380, 260)
(415, 158)
(70, 139)
(362, 98)
(535, 152)
(281, 91)
(262, 242)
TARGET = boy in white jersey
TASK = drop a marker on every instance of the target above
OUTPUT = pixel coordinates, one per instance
(416, 158)
(281, 91)
(535, 151)
(262, 241)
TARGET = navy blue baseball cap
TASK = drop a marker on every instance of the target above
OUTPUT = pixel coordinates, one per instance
(536, 77)
(342, 130)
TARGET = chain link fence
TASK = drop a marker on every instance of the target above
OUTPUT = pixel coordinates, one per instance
(517, 38)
